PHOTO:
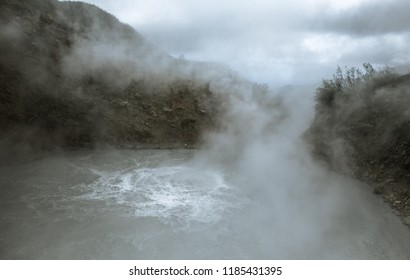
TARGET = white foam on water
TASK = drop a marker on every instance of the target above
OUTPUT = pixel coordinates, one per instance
(177, 194)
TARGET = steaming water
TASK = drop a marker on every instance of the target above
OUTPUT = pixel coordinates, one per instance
(160, 204)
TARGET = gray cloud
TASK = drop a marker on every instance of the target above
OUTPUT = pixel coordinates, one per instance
(376, 32)
(274, 41)
(369, 19)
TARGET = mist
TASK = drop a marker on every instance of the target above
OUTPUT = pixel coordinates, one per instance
(297, 42)
(241, 96)
(296, 207)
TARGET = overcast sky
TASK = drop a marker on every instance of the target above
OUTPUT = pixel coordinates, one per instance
(277, 42)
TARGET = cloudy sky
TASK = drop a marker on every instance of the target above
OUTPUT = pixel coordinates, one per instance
(272, 41)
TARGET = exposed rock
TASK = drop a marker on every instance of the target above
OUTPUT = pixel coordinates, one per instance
(61, 85)
(361, 128)
(378, 190)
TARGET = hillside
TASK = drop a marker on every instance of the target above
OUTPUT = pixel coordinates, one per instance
(72, 75)
(362, 128)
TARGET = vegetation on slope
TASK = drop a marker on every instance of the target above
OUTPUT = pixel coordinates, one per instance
(72, 75)
(362, 128)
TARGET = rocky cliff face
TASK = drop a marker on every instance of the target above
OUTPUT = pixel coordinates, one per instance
(72, 75)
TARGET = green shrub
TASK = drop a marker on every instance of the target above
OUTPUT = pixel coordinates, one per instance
(352, 81)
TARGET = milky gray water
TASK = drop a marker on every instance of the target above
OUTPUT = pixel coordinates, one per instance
(162, 204)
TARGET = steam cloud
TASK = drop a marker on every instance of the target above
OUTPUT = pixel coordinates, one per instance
(296, 208)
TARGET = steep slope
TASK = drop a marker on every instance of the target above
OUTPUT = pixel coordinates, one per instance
(362, 128)
(72, 75)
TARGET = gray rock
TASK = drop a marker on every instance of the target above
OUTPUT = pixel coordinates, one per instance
(378, 190)
(406, 220)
